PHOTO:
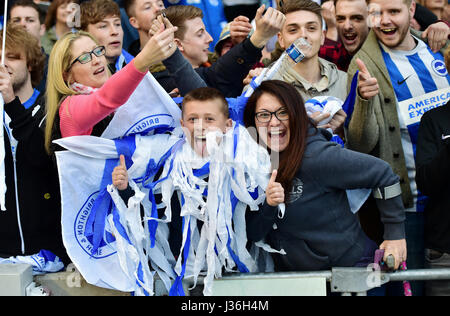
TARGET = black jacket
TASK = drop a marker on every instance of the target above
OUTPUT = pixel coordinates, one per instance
(226, 74)
(37, 221)
(318, 230)
(159, 72)
(433, 175)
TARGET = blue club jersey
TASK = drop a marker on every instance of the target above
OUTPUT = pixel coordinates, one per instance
(421, 82)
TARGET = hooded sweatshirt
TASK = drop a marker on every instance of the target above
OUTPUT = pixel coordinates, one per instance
(318, 230)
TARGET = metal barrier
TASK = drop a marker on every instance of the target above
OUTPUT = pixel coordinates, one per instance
(345, 281)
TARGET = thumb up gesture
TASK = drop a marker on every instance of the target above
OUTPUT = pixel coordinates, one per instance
(120, 175)
(274, 191)
(367, 85)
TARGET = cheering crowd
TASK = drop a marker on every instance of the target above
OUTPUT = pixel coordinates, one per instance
(384, 62)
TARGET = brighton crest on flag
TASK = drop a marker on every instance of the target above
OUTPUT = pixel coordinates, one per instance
(122, 245)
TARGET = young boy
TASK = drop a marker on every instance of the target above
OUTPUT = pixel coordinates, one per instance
(202, 195)
(101, 18)
(203, 110)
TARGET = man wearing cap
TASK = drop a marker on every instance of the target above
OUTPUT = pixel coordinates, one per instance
(225, 43)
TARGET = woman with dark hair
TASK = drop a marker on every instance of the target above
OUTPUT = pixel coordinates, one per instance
(318, 229)
(56, 24)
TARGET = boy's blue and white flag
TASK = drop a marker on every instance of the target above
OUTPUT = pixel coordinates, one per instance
(85, 173)
(149, 109)
(121, 245)
(93, 228)
(114, 246)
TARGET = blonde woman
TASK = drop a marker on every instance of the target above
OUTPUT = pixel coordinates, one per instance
(81, 93)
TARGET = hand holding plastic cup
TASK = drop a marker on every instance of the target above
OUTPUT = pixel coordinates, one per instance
(298, 49)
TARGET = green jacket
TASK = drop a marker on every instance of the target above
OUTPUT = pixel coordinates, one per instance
(374, 126)
(48, 40)
(332, 81)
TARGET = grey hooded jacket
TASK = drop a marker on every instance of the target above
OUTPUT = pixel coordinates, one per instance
(318, 230)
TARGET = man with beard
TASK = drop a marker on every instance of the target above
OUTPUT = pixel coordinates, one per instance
(352, 29)
(399, 79)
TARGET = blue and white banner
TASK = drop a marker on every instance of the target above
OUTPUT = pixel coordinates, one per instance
(121, 244)
(91, 222)
(149, 109)
(114, 246)
(85, 173)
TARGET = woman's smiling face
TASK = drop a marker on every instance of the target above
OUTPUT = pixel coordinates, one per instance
(275, 133)
(93, 73)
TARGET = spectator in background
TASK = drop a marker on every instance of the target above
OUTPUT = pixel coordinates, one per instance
(235, 8)
(236, 32)
(56, 22)
(233, 33)
(352, 27)
(313, 76)
(32, 220)
(228, 72)
(192, 38)
(435, 6)
(225, 42)
(433, 179)
(130, 33)
(350, 18)
(28, 14)
(101, 18)
(142, 14)
(396, 69)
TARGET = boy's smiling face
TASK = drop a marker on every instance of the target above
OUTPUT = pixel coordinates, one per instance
(200, 117)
